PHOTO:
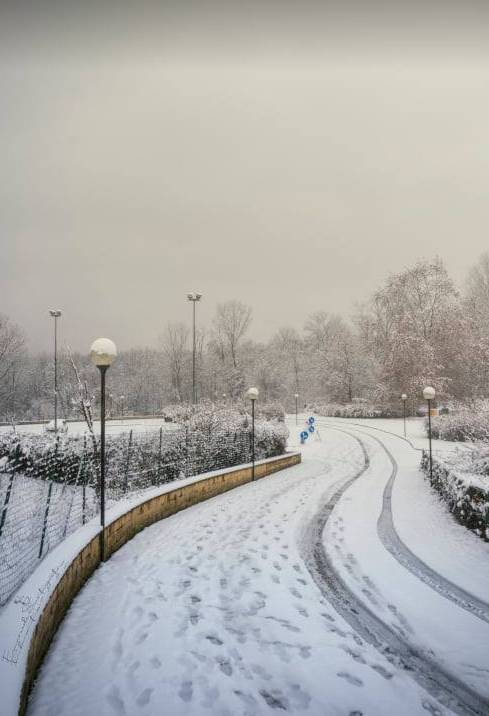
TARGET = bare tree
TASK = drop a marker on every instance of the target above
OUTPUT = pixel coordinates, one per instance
(12, 349)
(175, 347)
(406, 325)
(477, 293)
(81, 397)
(231, 322)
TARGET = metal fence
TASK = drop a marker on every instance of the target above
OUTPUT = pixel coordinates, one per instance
(50, 489)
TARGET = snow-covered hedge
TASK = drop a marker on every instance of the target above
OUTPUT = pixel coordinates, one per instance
(182, 412)
(356, 410)
(463, 482)
(209, 439)
(466, 423)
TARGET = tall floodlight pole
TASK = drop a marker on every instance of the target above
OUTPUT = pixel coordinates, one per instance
(404, 398)
(428, 394)
(55, 314)
(194, 297)
(102, 353)
(296, 396)
(252, 394)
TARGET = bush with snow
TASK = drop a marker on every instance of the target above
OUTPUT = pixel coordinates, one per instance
(49, 483)
(357, 410)
(209, 438)
(467, 423)
(462, 479)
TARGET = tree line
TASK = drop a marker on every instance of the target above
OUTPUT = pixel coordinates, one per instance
(417, 328)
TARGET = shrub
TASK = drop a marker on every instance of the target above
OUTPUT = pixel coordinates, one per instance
(463, 482)
(210, 439)
(357, 410)
(466, 423)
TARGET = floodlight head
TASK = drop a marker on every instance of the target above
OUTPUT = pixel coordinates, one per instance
(194, 296)
(54, 313)
(103, 352)
(404, 397)
(429, 393)
(252, 393)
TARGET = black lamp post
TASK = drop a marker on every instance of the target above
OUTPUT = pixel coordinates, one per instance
(404, 398)
(429, 393)
(194, 298)
(102, 353)
(252, 394)
(296, 396)
(55, 314)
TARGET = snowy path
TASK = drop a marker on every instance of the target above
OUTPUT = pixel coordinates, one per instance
(236, 606)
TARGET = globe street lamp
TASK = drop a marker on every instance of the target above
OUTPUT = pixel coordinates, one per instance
(194, 298)
(296, 396)
(102, 354)
(404, 398)
(428, 394)
(252, 394)
(55, 314)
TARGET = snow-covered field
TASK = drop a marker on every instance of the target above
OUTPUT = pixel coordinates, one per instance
(339, 586)
(112, 427)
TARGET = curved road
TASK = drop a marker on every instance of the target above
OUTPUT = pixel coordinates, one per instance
(235, 607)
(443, 686)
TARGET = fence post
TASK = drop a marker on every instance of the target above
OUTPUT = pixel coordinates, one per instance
(186, 450)
(76, 483)
(3, 516)
(159, 453)
(46, 513)
(126, 479)
(5, 502)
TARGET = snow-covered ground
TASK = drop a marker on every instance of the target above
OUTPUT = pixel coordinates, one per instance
(302, 592)
(112, 427)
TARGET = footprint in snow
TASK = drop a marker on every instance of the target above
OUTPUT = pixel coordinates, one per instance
(114, 699)
(186, 691)
(144, 697)
(328, 616)
(382, 671)
(275, 699)
(353, 680)
(214, 640)
(248, 700)
(225, 666)
(355, 655)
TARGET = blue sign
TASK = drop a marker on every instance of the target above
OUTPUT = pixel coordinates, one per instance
(311, 428)
(304, 435)
(311, 420)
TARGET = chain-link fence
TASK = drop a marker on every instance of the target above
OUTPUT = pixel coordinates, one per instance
(50, 487)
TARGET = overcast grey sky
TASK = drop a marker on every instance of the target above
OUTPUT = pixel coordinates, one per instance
(286, 154)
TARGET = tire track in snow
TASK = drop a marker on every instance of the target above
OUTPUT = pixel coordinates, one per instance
(443, 686)
(400, 551)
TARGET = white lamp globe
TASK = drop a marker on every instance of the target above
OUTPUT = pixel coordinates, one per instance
(404, 396)
(252, 393)
(103, 352)
(296, 395)
(429, 393)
